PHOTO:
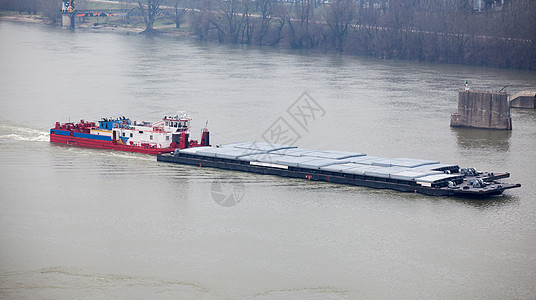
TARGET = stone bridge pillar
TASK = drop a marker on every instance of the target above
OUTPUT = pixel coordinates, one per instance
(67, 21)
(67, 14)
(482, 109)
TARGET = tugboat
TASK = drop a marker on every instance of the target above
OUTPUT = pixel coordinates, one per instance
(172, 132)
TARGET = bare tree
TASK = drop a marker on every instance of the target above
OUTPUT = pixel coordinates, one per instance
(29, 6)
(339, 15)
(266, 11)
(299, 24)
(149, 13)
(234, 14)
(249, 26)
(279, 17)
(50, 9)
(179, 12)
(201, 17)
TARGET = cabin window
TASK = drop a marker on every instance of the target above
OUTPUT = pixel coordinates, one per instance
(167, 123)
(131, 134)
(141, 132)
(123, 134)
(167, 137)
(151, 137)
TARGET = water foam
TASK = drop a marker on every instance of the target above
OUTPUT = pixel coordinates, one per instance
(19, 133)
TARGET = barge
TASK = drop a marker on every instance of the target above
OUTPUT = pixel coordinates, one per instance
(166, 135)
(400, 174)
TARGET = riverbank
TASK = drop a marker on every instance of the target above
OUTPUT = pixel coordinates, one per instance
(486, 49)
(25, 18)
(102, 26)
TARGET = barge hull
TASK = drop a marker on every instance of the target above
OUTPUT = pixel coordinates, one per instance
(289, 173)
(342, 179)
(400, 174)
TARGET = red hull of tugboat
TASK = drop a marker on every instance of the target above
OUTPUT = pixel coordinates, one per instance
(83, 142)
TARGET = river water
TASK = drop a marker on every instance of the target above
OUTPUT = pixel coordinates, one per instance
(83, 223)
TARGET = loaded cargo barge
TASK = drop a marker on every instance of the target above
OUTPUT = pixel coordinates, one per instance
(400, 174)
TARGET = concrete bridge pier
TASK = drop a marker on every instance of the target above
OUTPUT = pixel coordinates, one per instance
(480, 109)
(67, 20)
(524, 99)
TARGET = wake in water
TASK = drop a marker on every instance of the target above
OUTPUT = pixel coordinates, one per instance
(9, 132)
(21, 133)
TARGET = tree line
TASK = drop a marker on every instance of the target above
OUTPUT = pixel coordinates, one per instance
(446, 31)
(48, 8)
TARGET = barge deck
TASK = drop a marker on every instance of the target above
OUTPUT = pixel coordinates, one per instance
(400, 174)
